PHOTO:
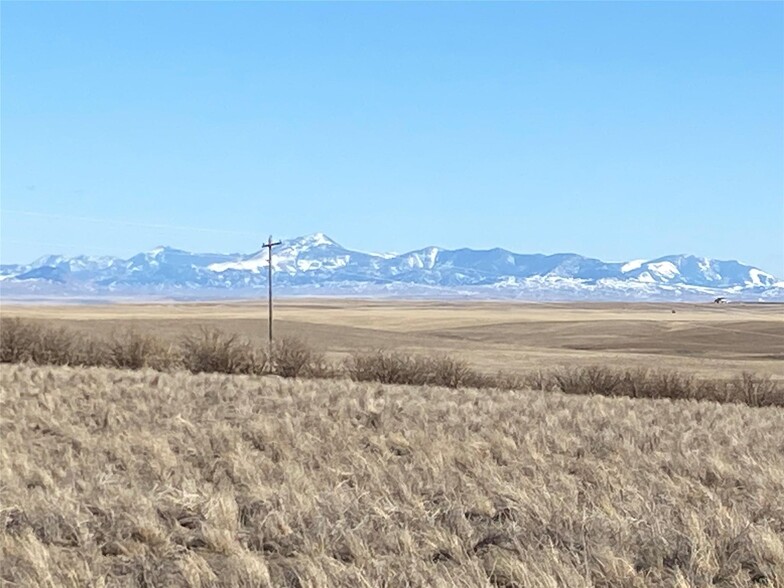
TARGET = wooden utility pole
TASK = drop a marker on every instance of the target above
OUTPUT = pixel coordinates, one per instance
(269, 245)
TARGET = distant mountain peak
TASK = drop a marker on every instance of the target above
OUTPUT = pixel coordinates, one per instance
(315, 263)
(313, 240)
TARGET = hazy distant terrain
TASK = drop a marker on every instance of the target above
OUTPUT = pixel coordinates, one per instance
(317, 265)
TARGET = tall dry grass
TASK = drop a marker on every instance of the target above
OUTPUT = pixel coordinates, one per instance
(142, 478)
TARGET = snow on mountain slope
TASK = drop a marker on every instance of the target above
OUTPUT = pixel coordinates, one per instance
(760, 278)
(699, 271)
(310, 253)
(631, 265)
(664, 270)
(79, 263)
(317, 264)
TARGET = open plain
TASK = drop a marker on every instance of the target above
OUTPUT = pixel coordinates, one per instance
(708, 340)
(144, 478)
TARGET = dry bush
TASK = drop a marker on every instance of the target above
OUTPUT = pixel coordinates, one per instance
(387, 367)
(449, 372)
(23, 341)
(540, 380)
(123, 478)
(85, 350)
(642, 383)
(755, 390)
(292, 357)
(658, 384)
(212, 350)
(17, 340)
(589, 380)
(133, 350)
(59, 346)
(393, 367)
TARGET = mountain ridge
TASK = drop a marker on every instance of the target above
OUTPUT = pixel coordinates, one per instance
(316, 264)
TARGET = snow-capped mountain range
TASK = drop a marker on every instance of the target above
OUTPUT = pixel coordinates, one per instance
(315, 264)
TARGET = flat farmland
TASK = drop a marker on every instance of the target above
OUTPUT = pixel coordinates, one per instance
(705, 339)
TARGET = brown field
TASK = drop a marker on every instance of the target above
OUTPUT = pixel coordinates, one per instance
(143, 478)
(705, 339)
(139, 478)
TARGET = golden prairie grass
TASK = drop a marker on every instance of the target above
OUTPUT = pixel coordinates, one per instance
(141, 478)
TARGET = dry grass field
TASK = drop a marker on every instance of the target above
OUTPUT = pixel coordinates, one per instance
(140, 478)
(144, 478)
(704, 339)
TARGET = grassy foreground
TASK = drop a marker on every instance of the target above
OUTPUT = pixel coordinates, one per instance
(141, 478)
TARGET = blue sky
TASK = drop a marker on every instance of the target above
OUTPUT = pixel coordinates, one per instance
(614, 130)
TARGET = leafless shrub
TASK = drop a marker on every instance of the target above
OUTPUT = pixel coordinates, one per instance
(88, 351)
(588, 380)
(642, 383)
(292, 357)
(541, 380)
(24, 341)
(58, 346)
(636, 383)
(391, 367)
(381, 366)
(212, 350)
(501, 380)
(133, 350)
(756, 390)
(18, 339)
(450, 372)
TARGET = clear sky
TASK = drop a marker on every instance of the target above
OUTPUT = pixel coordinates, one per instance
(614, 130)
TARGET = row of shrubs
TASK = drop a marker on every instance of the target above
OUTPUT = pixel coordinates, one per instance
(211, 350)
(399, 368)
(207, 350)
